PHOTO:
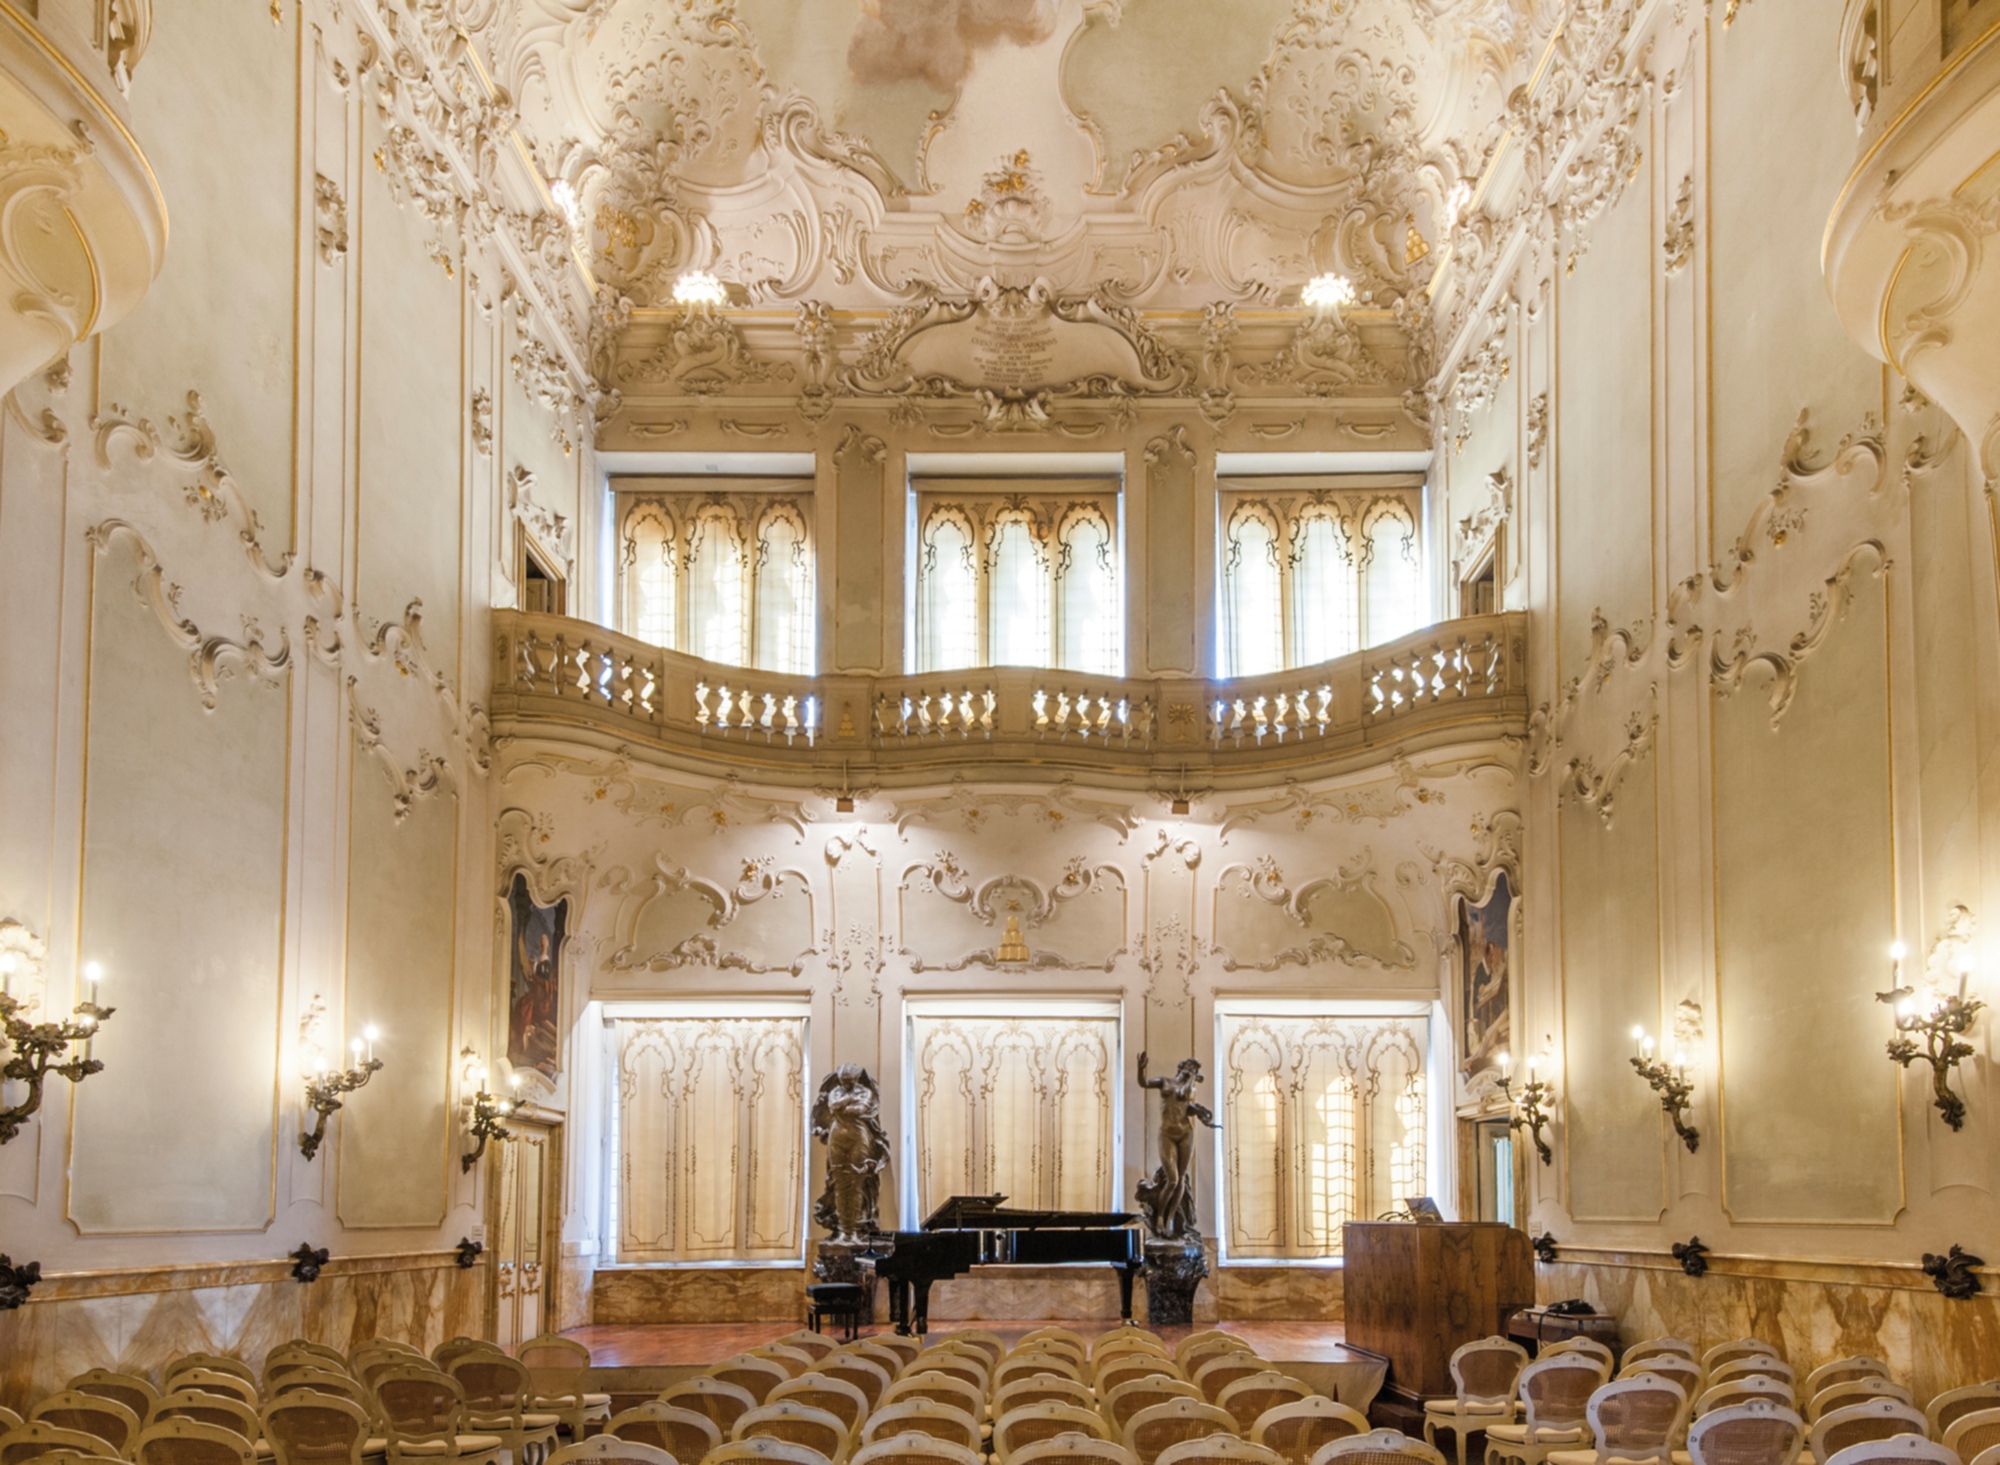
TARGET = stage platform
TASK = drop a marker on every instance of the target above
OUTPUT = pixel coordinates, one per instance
(634, 1362)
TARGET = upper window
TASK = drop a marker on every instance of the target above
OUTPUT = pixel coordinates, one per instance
(726, 575)
(1315, 569)
(1019, 574)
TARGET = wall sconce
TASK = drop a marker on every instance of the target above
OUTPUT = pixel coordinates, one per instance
(1326, 294)
(487, 1112)
(1671, 1083)
(1530, 1110)
(324, 1088)
(1941, 1017)
(38, 1049)
(700, 290)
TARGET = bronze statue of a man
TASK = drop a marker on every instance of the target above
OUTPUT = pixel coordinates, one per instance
(1167, 1200)
(846, 1119)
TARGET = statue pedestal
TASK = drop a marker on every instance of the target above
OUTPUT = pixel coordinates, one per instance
(1173, 1269)
(840, 1261)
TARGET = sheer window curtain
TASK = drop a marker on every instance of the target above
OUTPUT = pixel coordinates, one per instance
(718, 574)
(1395, 577)
(1254, 619)
(1092, 615)
(1017, 604)
(1326, 605)
(785, 613)
(948, 577)
(651, 552)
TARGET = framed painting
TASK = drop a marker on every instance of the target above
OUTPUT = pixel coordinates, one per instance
(1485, 983)
(534, 1006)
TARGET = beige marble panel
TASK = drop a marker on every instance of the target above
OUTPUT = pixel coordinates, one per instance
(1278, 1294)
(698, 1294)
(139, 1321)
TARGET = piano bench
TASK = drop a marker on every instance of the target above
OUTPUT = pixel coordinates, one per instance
(843, 1302)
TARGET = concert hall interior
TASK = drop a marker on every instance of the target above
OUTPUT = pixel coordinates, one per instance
(1282, 715)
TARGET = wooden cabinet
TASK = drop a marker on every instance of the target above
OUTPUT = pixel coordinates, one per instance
(1414, 1293)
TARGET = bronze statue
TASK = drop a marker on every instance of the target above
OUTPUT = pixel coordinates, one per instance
(1167, 1200)
(846, 1118)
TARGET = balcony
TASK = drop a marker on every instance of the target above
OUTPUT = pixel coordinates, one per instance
(1458, 681)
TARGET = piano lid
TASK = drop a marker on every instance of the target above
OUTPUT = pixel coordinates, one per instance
(989, 1213)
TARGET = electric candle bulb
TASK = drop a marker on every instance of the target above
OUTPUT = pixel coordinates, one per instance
(371, 1033)
(1897, 951)
(514, 1080)
(93, 974)
(356, 1047)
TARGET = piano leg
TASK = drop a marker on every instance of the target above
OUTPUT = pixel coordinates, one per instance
(921, 1322)
(1127, 1271)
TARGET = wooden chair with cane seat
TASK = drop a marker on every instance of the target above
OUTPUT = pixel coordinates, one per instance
(1589, 1347)
(497, 1389)
(128, 1389)
(1902, 1449)
(1195, 1359)
(1634, 1421)
(1043, 1388)
(978, 1339)
(1382, 1447)
(609, 1449)
(1844, 1371)
(1988, 1456)
(1057, 1333)
(1659, 1348)
(90, 1414)
(868, 1374)
(1858, 1424)
(815, 1346)
(317, 1429)
(794, 1361)
(1027, 1365)
(922, 1416)
(1685, 1373)
(34, 1438)
(423, 1418)
(1158, 1426)
(1219, 1371)
(1202, 1341)
(1297, 1432)
(189, 1442)
(1946, 1409)
(1036, 1422)
(1130, 1397)
(1073, 1355)
(682, 1433)
(1136, 1364)
(968, 1364)
(754, 1376)
(721, 1403)
(1249, 1399)
(1854, 1391)
(1734, 1393)
(306, 1348)
(1073, 1449)
(1555, 1400)
(914, 1449)
(1765, 1365)
(823, 1391)
(795, 1424)
(222, 1411)
(9, 1419)
(1973, 1434)
(1756, 1433)
(560, 1366)
(1128, 1339)
(207, 1363)
(1484, 1375)
(1734, 1351)
(904, 1348)
(935, 1388)
(1218, 1449)
(764, 1451)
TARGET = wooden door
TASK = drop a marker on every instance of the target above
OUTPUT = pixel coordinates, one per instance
(527, 1194)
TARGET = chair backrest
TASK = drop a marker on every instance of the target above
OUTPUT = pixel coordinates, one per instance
(970, 1366)
(91, 1414)
(914, 1449)
(939, 1388)
(306, 1348)
(1218, 1449)
(316, 1429)
(921, 1416)
(814, 1345)
(555, 1363)
(1949, 1405)
(755, 1376)
(1033, 1422)
(1878, 1419)
(1198, 1350)
(1587, 1346)
(1658, 1348)
(491, 1382)
(1042, 1388)
(867, 1374)
(319, 1381)
(1732, 1393)
(453, 1348)
(1637, 1418)
(836, 1396)
(1218, 1371)
(189, 1442)
(36, 1437)
(1128, 1339)
(417, 1403)
(1059, 1334)
(1854, 1391)
(1973, 1434)
(208, 1363)
(1555, 1393)
(1299, 1431)
(794, 1361)
(1380, 1447)
(1202, 1339)
(128, 1389)
(1135, 1364)
(1248, 1399)
(682, 1433)
(984, 1342)
(1734, 1349)
(1488, 1370)
(214, 1381)
(1902, 1449)
(795, 1424)
(1683, 1371)
(1757, 1433)
(1156, 1427)
(1758, 1365)
(1844, 1371)
(609, 1449)
(1073, 1449)
(764, 1451)
(1130, 1397)
(8, 1419)
(712, 1399)
(1074, 1354)
(225, 1411)
(1988, 1456)
(1027, 1365)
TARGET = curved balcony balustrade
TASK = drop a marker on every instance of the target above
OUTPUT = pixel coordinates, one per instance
(1458, 681)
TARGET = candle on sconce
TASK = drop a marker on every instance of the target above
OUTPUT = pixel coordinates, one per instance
(371, 1033)
(93, 973)
(6, 973)
(355, 1048)
(1639, 1041)
(1506, 1062)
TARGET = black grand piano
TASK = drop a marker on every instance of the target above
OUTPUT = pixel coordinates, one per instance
(979, 1231)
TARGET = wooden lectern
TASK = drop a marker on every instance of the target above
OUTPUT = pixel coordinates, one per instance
(1414, 1293)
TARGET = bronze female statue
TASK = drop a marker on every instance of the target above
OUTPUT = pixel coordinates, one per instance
(1167, 1200)
(846, 1118)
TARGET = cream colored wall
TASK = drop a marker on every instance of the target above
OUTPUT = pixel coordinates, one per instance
(234, 768)
(1769, 758)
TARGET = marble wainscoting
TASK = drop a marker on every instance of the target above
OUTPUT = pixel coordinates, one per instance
(1272, 1294)
(1811, 1312)
(698, 1295)
(574, 1280)
(138, 1321)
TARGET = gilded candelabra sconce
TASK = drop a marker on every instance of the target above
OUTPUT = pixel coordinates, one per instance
(325, 1086)
(1671, 1083)
(37, 1049)
(1529, 1109)
(1939, 1015)
(487, 1114)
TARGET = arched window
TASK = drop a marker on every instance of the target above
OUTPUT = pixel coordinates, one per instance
(1087, 602)
(1254, 622)
(718, 574)
(784, 611)
(1017, 592)
(1326, 610)
(1395, 602)
(650, 562)
(948, 618)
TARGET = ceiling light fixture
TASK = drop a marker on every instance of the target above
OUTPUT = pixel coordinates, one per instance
(699, 287)
(565, 196)
(1328, 292)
